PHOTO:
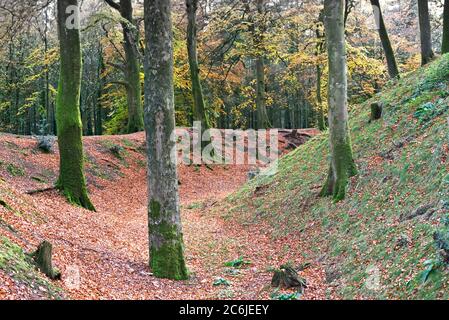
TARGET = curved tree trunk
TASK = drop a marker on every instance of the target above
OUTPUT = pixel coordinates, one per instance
(445, 46)
(427, 54)
(199, 107)
(166, 237)
(71, 176)
(342, 163)
(393, 70)
(131, 69)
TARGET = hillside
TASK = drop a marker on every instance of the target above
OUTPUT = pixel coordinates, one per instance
(104, 255)
(379, 242)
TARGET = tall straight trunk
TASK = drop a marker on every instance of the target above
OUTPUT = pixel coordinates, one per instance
(319, 50)
(342, 165)
(393, 70)
(427, 54)
(165, 228)
(99, 106)
(262, 116)
(445, 46)
(71, 176)
(131, 69)
(50, 112)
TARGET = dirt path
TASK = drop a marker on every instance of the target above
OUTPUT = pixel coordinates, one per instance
(109, 248)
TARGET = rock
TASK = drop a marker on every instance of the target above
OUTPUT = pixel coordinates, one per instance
(45, 143)
(286, 278)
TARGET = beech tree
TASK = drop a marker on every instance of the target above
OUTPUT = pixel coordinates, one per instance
(445, 46)
(393, 70)
(71, 180)
(199, 107)
(342, 165)
(427, 54)
(263, 121)
(131, 68)
(165, 229)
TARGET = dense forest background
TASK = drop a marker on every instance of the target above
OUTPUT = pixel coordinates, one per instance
(284, 37)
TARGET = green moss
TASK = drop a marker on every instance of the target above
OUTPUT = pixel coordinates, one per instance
(166, 256)
(363, 229)
(16, 263)
(14, 170)
(167, 260)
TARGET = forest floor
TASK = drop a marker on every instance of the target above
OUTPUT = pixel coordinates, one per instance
(109, 248)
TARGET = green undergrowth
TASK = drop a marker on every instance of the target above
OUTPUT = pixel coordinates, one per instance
(403, 164)
(20, 267)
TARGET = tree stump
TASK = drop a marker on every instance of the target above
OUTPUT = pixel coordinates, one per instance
(43, 260)
(376, 111)
(286, 278)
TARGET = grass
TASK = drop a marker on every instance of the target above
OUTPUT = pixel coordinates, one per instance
(403, 164)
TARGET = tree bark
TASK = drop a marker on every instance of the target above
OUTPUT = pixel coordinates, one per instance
(393, 70)
(445, 46)
(427, 54)
(263, 121)
(199, 108)
(165, 229)
(71, 176)
(43, 260)
(342, 165)
(132, 65)
(319, 50)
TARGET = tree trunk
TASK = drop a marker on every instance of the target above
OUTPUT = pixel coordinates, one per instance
(319, 51)
(393, 70)
(427, 54)
(262, 116)
(199, 108)
(99, 106)
(71, 176)
(342, 165)
(445, 46)
(131, 69)
(43, 260)
(165, 229)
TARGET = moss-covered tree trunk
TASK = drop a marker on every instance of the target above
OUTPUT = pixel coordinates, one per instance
(199, 107)
(71, 176)
(342, 165)
(393, 70)
(165, 229)
(445, 46)
(427, 54)
(131, 69)
(263, 121)
(319, 50)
